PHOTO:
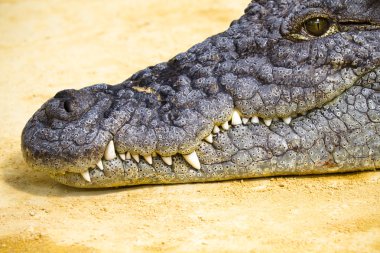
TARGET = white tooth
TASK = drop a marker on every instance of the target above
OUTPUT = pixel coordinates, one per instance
(209, 139)
(100, 165)
(136, 157)
(122, 156)
(193, 160)
(225, 126)
(255, 120)
(245, 121)
(148, 159)
(86, 176)
(168, 160)
(268, 122)
(128, 156)
(287, 120)
(236, 119)
(110, 153)
(216, 130)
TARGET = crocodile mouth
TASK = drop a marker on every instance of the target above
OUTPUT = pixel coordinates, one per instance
(198, 159)
(236, 120)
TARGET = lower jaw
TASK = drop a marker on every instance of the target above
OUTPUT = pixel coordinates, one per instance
(134, 175)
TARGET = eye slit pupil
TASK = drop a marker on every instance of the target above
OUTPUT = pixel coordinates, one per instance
(317, 26)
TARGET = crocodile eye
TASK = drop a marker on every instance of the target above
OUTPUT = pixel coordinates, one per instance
(317, 26)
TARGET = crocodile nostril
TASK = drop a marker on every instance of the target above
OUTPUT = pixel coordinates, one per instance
(69, 106)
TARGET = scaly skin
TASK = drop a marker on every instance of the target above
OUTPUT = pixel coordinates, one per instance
(266, 66)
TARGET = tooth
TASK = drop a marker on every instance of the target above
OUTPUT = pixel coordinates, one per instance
(255, 120)
(193, 160)
(168, 160)
(287, 120)
(268, 122)
(225, 126)
(136, 157)
(236, 119)
(216, 130)
(245, 121)
(100, 165)
(209, 139)
(122, 156)
(110, 153)
(128, 156)
(86, 176)
(148, 159)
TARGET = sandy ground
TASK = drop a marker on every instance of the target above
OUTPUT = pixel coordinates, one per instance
(46, 46)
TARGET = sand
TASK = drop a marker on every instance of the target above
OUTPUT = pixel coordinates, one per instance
(47, 46)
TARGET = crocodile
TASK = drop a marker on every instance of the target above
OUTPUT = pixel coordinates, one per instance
(290, 88)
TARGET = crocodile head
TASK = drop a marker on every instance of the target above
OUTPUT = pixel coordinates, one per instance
(292, 87)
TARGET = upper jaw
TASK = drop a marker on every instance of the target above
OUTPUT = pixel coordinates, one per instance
(55, 159)
(110, 153)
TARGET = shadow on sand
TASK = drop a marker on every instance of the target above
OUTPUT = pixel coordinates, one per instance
(17, 174)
